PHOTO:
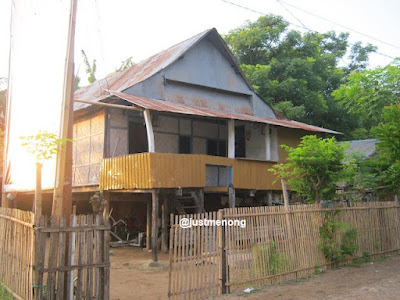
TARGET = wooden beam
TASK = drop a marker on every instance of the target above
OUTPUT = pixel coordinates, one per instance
(231, 138)
(149, 129)
(154, 225)
(110, 105)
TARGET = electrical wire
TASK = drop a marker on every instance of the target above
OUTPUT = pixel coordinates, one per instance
(337, 24)
(295, 25)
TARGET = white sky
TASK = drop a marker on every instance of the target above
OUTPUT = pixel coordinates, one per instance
(112, 30)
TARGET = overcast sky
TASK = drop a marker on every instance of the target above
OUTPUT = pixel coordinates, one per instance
(112, 30)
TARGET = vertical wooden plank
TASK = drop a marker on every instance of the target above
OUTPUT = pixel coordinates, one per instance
(89, 239)
(51, 277)
(80, 245)
(106, 259)
(61, 259)
(71, 260)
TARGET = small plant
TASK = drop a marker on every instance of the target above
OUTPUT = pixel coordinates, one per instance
(4, 295)
(277, 261)
(365, 258)
(336, 249)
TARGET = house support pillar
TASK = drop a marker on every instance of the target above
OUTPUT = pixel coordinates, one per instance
(201, 198)
(269, 198)
(164, 224)
(149, 130)
(154, 225)
(231, 138)
(268, 142)
(148, 226)
(232, 196)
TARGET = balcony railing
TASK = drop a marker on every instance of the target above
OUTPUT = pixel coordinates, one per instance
(166, 170)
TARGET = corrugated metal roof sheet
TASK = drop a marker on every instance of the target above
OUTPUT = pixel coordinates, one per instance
(165, 106)
(135, 74)
(366, 147)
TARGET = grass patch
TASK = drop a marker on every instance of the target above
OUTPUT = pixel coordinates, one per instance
(4, 295)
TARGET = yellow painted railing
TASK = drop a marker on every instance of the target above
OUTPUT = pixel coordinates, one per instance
(166, 170)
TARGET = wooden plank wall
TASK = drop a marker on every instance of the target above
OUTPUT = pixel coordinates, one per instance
(72, 261)
(277, 244)
(16, 251)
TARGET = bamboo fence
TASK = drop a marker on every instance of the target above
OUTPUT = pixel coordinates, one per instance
(16, 252)
(54, 261)
(72, 262)
(278, 243)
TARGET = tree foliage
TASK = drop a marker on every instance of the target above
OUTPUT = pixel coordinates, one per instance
(43, 145)
(127, 63)
(385, 167)
(90, 68)
(296, 73)
(366, 93)
(314, 168)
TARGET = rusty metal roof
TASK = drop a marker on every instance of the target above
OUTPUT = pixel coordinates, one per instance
(135, 74)
(164, 106)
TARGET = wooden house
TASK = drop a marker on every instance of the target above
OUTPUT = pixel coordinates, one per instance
(184, 129)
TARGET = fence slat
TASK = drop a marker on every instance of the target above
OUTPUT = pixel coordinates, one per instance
(276, 245)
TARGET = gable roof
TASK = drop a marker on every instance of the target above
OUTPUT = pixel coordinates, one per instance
(122, 80)
(165, 106)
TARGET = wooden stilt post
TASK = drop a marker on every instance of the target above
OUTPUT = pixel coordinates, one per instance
(232, 197)
(269, 198)
(38, 191)
(164, 220)
(154, 225)
(201, 198)
(148, 226)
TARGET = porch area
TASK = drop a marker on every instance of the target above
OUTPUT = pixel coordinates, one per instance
(169, 170)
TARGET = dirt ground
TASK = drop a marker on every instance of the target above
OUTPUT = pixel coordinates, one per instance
(132, 278)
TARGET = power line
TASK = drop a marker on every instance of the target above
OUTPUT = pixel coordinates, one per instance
(298, 20)
(295, 25)
(337, 24)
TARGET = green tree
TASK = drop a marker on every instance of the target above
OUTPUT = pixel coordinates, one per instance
(90, 68)
(296, 73)
(314, 168)
(366, 93)
(127, 63)
(386, 165)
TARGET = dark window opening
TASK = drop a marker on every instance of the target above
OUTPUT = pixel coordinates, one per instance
(217, 148)
(240, 141)
(137, 138)
(184, 144)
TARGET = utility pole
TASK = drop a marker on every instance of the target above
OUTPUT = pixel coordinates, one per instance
(62, 198)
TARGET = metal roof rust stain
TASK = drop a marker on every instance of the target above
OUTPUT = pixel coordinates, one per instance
(165, 106)
(244, 110)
